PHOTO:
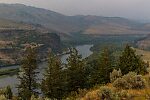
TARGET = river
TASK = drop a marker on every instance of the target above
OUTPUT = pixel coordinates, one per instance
(12, 81)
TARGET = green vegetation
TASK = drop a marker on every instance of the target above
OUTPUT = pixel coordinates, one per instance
(9, 72)
(28, 79)
(8, 93)
(75, 71)
(100, 68)
(72, 81)
(113, 73)
(101, 41)
(53, 85)
(130, 61)
(130, 81)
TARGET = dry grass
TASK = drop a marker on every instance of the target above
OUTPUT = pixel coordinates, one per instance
(134, 94)
(111, 28)
(8, 24)
(143, 94)
(144, 54)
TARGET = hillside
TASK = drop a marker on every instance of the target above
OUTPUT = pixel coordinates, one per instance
(15, 36)
(57, 22)
(21, 25)
(145, 54)
(109, 92)
(144, 43)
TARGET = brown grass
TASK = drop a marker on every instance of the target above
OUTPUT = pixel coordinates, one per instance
(144, 54)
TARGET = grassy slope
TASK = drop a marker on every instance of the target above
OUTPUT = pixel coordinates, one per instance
(8, 24)
(142, 94)
(144, 54)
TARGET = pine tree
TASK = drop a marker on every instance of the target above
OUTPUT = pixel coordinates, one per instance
(130, 62)
(28, 75)
(92, 72)
(75, 71)
(105, 66)
(101, 68)
(52, 84)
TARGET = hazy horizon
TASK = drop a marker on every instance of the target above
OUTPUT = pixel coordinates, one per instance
(135, 9)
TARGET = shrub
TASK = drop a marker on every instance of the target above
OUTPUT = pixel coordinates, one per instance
(135, 81)
(123, 94)
(130, 81)
(2, 91)
(147, 79)
(2, 97)
(93, 95)
(139, 82)
(121, 83)
(8, 93)
(130, 77)
(77, 94)
(105, 93)
(39, 98)
(115, 74)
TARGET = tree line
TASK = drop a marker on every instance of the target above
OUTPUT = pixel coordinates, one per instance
(78, 73)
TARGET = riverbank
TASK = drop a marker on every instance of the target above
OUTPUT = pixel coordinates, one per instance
(84, 50)
(9, 72)
(39, 61)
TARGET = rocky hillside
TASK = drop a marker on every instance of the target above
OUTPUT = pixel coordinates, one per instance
(15, 36)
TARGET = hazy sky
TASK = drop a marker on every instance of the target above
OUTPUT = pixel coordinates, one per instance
(134, 9)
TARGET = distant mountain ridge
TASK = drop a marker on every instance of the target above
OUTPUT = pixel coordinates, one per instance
(56, 22)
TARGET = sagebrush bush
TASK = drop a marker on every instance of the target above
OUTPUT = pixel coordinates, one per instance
(147, 79)
(139, 82)
(2, 91)
(39, 98)
(130, 78)
(105, 93)
(135, 81)
(2, 97)
(115, 74)
(123, 94)
(121, 83)
(77, 94)
(92, 95)
(130, 81)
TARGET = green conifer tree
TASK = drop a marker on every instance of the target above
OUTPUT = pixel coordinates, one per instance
(75, 71)
(105, 65)
(130, 62)
(100, 72)
(28, 75)
(52, 84)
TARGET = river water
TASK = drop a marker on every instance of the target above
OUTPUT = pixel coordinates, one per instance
(12, 81)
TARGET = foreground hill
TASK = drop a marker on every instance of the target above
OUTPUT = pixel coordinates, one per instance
(57, 22)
